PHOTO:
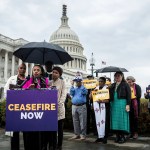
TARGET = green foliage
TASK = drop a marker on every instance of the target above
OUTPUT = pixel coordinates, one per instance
(2, 112)
(144, 118)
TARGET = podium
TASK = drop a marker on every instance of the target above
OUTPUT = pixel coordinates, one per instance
(31, 110)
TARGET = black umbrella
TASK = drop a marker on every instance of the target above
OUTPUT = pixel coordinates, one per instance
(110, 69)
(41, 52)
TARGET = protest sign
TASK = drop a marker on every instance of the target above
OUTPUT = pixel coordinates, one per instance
(31, 110)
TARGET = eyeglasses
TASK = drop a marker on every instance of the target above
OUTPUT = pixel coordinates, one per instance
(101, 81)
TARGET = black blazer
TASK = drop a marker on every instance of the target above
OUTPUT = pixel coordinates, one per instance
(123, 92)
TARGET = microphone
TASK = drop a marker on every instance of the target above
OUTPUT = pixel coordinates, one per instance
(43, 80)
(36, 81)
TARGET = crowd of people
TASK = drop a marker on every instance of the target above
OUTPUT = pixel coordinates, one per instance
(117, 115)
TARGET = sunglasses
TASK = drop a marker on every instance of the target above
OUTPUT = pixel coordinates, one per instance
(101, 81)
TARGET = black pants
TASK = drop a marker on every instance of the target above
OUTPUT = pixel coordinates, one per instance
(94, 127)
(50, 137)
(32, 140)
(133, 120)
(60, 132)
(133, 123)
(88, 117)
(15, 144)
(107, 120)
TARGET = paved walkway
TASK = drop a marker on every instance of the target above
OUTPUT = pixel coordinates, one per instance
(141, 143)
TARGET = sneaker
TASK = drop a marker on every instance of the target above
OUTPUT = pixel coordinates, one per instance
(122, 140)
(104, 140)
(59, 148)
(75, 137)
(130, 136)
(82, 138)
(98, 140)
(135, 136)
(117, 139)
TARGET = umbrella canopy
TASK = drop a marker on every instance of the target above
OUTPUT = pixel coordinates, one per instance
(110, 69)
(41, 52)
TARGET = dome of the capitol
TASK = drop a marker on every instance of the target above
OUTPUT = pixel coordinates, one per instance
(64, 33)
(68, 39)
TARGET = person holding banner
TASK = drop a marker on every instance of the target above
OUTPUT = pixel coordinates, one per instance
(120, 96)
(101, 109)
(134, 107)
(79, 110)
(15, 81)
(34, 140)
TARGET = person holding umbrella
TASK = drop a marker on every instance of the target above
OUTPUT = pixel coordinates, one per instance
(120, 96)
(135, 106)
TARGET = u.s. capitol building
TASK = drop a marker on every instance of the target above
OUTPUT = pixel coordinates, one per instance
(63, 36)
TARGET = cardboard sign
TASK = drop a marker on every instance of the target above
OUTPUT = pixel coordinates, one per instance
(89, 84)
(31, 110)
(133, 96)
(100, 95)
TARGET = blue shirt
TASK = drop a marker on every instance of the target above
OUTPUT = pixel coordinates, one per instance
(78, 94)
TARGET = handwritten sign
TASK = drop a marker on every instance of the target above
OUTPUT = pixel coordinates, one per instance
(100, 95)
(31, 110)
(90, 84)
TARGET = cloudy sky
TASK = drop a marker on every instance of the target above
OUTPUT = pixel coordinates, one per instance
(116, 31)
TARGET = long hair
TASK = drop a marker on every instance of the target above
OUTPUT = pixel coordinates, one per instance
(42, 78)
(121, 73)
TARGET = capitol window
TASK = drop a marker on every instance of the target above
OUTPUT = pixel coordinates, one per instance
(3, 58)
(10, 60)
(2, 74)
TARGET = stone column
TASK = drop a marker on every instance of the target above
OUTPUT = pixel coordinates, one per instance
(13, 65)
(31, 69)
(84, 65)
(78, 62)
(81, 64)
(73, 64)
(6, 66)
(27, 69)
(20, 62)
